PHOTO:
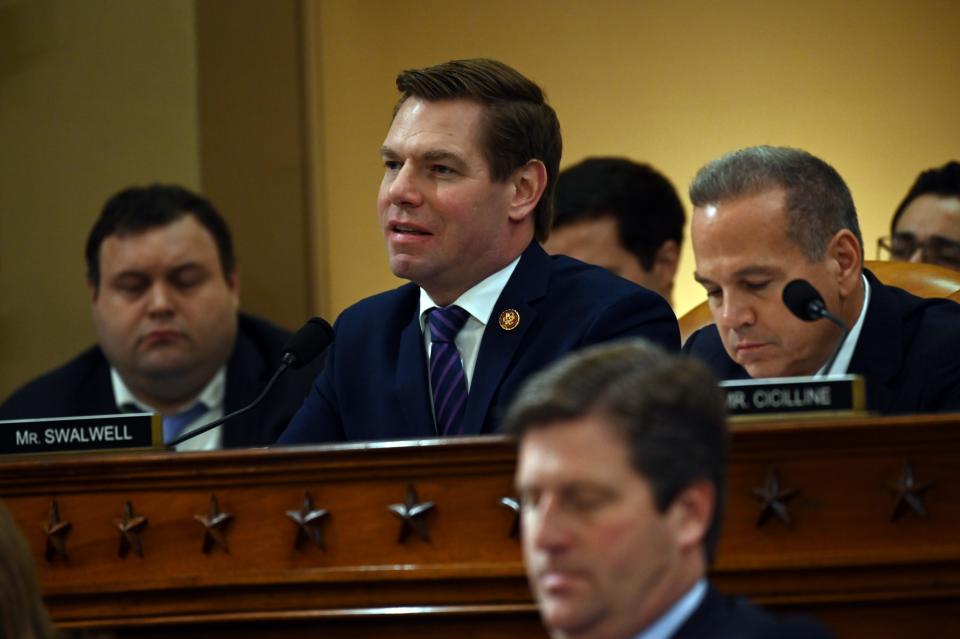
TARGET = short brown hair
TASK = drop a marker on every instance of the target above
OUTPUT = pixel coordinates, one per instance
(520, 125)
(668, 409)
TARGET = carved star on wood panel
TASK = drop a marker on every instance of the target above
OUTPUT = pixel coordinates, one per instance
(413, 513)
(909, 493)
(309, 522)
(773, 499)
(129, 526)
(513, 504)
(56, 530)
(215, 525)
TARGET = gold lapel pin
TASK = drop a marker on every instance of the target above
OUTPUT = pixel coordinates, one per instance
(509, 319)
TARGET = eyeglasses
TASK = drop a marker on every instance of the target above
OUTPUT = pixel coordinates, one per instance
(934, 250)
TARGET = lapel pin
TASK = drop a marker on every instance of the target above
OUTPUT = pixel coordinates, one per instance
(509, 319)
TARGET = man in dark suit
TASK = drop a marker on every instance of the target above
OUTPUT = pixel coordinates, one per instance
(764, 216)
(926, 225)
(620, 475)
(470, 162)
(164, 293)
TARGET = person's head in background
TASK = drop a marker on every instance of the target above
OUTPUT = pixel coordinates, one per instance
(22, 614)
(926, 225)
(623, 216)
(620, 471)
(164, 291)
(762, 217)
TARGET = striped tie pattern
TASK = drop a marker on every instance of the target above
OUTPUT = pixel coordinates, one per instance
(446, 369)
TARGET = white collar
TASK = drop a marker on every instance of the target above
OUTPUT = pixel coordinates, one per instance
(670, 621)
(842, 364)
(212, 394)
(479, 299)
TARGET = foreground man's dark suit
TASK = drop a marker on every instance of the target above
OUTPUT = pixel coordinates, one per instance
(375, 385)
(720, 617)
(909, 352)
(83, 387)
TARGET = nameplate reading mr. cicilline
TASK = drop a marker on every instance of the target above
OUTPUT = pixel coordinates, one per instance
(125, 431)
(795, 396)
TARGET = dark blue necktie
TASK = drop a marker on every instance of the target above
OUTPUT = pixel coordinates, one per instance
(446, 370)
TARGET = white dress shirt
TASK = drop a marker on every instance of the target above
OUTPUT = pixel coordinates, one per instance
(670, 621)
(842, 363)
(478, 302)
(212, 396)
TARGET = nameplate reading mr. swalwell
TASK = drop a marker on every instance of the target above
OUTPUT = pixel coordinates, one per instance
(125, 431)
(795, 396)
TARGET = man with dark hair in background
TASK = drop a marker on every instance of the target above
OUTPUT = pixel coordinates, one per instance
(623, 216)
(926, 225)
(764, 216)
(470, 163)
(620, 474)
(164, 294)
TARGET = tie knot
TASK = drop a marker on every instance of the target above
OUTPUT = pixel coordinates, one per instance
(446, 322)
(173, 425)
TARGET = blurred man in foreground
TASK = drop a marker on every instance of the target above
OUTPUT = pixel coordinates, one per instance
(620, 473)
(623, 216)
(764, 216)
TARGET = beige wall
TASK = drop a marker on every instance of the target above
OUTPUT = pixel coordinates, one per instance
(94, 95)
(103, 93)
(871, 87)
(253, 146)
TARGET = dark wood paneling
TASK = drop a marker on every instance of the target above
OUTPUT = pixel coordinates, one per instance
(841, 556)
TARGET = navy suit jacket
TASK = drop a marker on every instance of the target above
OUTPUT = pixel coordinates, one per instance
(375, 385)
(83, 387)
(719, 617)
(908, 352)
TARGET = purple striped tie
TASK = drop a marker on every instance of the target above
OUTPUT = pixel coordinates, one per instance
(446, 370)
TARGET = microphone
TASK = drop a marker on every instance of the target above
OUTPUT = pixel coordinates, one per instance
(301, 349)
(805, 302)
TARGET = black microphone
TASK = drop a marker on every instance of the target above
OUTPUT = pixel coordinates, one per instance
(805, 302)
(300, 350)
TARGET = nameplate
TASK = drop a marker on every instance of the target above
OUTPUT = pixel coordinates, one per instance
(123, 432)
(795, 397)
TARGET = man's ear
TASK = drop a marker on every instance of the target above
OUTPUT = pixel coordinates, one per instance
(529, 181)
(666, 261)
(92, 289)
(691, 513)
(846, 257)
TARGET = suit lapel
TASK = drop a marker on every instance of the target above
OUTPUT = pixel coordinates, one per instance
(244, 378)
(94, 394)
(498, 346)
(410, 382)
(878, 355)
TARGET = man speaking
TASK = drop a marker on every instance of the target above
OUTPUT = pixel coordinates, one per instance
(469, 168)
(765, 216)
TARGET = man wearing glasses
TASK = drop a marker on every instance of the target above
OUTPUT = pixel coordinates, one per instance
(926, 225)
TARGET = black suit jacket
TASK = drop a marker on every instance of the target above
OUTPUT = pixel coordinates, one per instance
(375, 384)
(719, 617)
(83, 387)
(908, 352)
